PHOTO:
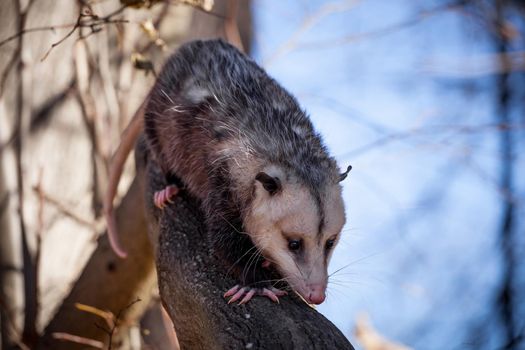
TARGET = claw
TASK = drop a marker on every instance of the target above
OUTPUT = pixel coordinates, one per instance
(157, 200)
(172, 190)
(268, 293)
(278, 292)
(232, 291)
(237, 295)
(162, 197)
(237, 292)
(247, 297)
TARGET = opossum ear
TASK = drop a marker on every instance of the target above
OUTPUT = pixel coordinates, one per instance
(270, 183)
(343, 176)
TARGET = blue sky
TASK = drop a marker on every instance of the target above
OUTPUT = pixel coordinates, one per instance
(423, 206)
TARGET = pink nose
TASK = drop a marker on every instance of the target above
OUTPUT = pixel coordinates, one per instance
(316, 295)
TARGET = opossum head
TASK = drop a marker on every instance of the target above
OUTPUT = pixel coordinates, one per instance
(296, 228)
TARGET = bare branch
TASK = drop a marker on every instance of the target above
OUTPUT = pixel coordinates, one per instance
(117, 321)
(95, 23)
(506, 303)
(87, 19)
(477, 66)
(64, 209)
(351, 38)
(78, 340)
(107, 316)
(294, 42)
(29, 334)
(91, 118)
(308, 23)
(7, 70)
(429, 130)
(9, 325)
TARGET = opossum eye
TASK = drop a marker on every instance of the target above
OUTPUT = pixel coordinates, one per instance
(294, 245)
(329, 244)
(270, 183)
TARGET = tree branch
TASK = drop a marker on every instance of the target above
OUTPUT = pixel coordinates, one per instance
(505, 303)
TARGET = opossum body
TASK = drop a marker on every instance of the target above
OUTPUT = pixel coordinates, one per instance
(241, 144)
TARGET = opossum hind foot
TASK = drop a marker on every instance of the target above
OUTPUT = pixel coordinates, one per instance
(163, 197)
(238, 291)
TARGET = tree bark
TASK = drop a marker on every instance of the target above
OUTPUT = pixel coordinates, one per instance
(192, 282)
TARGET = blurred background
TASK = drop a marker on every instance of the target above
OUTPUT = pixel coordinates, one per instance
(426, 100)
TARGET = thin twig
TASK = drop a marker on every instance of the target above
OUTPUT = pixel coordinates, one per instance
(103, 71)
(93, 22)
(118, 319)
(351, 38)
(29, 334)
(9, 141)
(113, 329)
(7, 318)
(38, 235)
(35, 29)
(90, 118)
(4, 201)
(7, 70)
(506, 298)
(78, 340)
(294, 43)
(88, 19)
(64, 209)
(108, 316)
(22, 16)
(416, 132)
(308, 23)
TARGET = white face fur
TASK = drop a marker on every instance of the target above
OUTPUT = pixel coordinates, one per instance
(286, 226)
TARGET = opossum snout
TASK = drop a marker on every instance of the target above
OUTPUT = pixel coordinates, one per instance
(313, 293)
(316, 293)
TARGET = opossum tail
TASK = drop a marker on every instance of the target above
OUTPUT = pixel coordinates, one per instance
(129, 137)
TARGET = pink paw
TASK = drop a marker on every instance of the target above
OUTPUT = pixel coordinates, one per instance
(163, 197)
(239, 291)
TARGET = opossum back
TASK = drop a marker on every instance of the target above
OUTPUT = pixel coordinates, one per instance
(209, 94)
(194, 106)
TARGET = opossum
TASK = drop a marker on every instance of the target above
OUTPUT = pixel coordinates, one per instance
(242, 145)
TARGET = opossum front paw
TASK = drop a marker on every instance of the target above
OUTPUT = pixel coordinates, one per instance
(239, 291)
(163, 197)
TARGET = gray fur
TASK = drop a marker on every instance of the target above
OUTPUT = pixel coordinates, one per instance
(215, 119)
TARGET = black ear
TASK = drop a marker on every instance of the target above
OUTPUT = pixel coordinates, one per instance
(270, 183)
(343, 176)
